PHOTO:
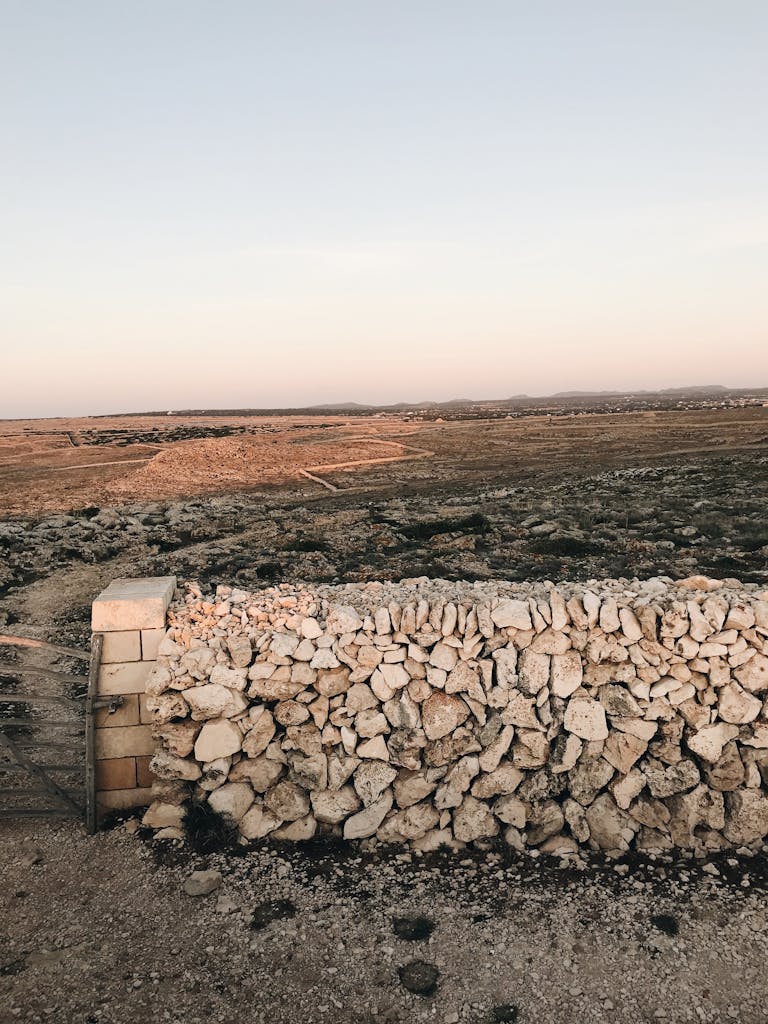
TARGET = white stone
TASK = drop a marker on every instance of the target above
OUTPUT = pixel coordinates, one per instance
(474, 820)
(441, 714)
(343, 619)
(366, 822)
(287, 801)
(586, 718)
(373, 748)
(371, 779)
(258, 822)
(736, 705)
(215, 701)
(333, 807)
(218, 738)
(232, 800)
(567, 673)
(514, 613)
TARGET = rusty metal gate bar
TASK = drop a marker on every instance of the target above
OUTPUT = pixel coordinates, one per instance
(91, 704)
(66, 805)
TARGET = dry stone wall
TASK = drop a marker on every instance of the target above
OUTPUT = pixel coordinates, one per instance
(614, 715)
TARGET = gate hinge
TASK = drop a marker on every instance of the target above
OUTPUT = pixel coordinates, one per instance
(111, 703)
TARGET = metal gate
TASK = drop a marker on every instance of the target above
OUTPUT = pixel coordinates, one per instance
(47, 757)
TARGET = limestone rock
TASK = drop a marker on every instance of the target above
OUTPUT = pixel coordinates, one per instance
(676, 778)
(727, 773)
(622, 750)
(463, 679)
(239, 651)
(503, 780)
(577, 820)
(688, 811)
(159, 815)
(747, 816)
(198, 663)
(166, 707)
(441, 714)
(443, 657)
(261, 772)
(371, 779)
(287, 801)
(233, 678)
(178, 738)
(333, 807)
(297, 831)
(586, 718)
(590, 775)
(258, 822)
(567, 673)
(218, 737)
(754, 675)
(625, 788)
(618, 701)
(232, 800)
(456, 782)
(650, 812)
(331, 682)
(506, 666)
(168, 767)
(366, 822)
(708, 742)
(511, 810)
(512, 613)
(201, 883)
(290, 712)
(274, 687)
(610, 828)
(215, 701)
(544, 819)
(343, 619)
(259, 736)
(411, 787)
(412, 823)
(473, 820)
(214, 774)
(533, 672)
(736, 705)
(565, 752)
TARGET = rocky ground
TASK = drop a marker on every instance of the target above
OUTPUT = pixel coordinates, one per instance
(102, 930)
(704, 514)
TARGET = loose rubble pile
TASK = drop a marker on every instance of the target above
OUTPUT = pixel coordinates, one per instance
(619, 714)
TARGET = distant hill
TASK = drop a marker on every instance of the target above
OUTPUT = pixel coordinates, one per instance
(694, 389)
(521, 402)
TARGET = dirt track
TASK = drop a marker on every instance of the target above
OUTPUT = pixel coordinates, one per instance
(280, 451)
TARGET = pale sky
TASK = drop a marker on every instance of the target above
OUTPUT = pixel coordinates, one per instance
(248, 204)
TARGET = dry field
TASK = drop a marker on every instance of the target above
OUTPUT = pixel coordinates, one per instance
(334, 499)
(60, 465)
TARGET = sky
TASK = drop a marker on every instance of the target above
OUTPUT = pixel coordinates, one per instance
(265, 204)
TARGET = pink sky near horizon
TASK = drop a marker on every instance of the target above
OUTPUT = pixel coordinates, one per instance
(419, 202)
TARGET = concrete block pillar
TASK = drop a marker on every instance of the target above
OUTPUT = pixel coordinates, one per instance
(131, 616)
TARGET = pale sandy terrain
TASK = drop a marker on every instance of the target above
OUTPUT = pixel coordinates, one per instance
(59, 465)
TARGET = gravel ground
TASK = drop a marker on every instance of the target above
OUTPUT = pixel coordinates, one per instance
(101, 930)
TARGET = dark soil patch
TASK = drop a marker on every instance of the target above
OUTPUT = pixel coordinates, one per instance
(412, 928)
(419, 977)
(666, 923)
(272, 910)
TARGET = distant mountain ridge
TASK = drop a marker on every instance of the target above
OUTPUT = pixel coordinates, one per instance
(694, 391)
